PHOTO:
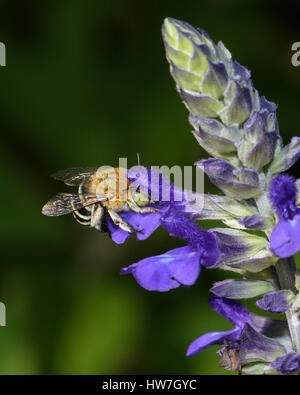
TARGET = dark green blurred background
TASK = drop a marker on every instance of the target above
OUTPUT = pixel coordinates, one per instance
(87, 82)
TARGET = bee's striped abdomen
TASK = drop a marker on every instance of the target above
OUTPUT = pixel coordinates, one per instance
(82, 216)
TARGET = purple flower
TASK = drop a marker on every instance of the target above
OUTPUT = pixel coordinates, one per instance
(145, 224)
(254, 221)
(255, 334)
(176, 267)
(233, 312)
(288, 363)
(157, 186)
(180, 266)
(275, 302)
(285, 240)
(162, 193)
(179, 224)
(167, 271)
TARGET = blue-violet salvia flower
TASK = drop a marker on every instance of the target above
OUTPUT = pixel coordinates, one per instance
(164, 196)
(152, 184)
(287, 364)
(230, 310)
(285, 238)
(276, 302)
(254, 338)
(180, 266)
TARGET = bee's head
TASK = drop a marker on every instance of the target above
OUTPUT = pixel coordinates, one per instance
(140, 198)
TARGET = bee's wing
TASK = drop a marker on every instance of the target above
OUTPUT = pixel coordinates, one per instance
(74, 175)
(66, 203)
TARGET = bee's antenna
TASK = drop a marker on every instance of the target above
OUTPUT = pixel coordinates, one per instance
(138, 159)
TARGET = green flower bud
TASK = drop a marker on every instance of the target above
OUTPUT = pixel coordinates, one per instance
(241, 289)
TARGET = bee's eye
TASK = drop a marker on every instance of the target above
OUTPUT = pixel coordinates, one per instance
(140, 198)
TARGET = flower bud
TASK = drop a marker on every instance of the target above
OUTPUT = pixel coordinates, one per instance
(285, 157)
(260, 135)
(241, 289)
(217, 139)
(210, 83)
(220, 97)
(237, 183)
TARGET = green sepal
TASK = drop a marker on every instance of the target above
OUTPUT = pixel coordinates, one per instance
(214, 135)
(241, 288)
(259, 369)
(214, 143)
(256, 263)
(285, 157)
(200, 105)
(239, 245)
(237, 108)
(212, 85)
(297, 279)
(217, 207)
(260, 348)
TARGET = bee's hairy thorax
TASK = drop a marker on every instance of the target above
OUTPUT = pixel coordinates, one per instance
(108, 182)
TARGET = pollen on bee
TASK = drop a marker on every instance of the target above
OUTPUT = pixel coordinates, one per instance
(111, 182)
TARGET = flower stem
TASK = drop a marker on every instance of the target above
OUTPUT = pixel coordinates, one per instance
(286, 269)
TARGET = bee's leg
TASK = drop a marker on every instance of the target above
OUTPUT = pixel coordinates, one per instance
(118, 220)
(98, 220)
(142, 210)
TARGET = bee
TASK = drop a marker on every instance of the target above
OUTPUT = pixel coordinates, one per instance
(101, 191)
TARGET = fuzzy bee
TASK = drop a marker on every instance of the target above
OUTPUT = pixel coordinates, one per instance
(101, 192)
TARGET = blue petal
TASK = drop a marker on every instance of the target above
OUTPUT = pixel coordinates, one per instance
(288, 363)
(157, 186)
(180, 225)
(231, 310)
(209, 339)
(254, 221)
(285, 238)
(118, 235)
(167, 271)
(275, 302)
(146, 224)
(283, 194)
